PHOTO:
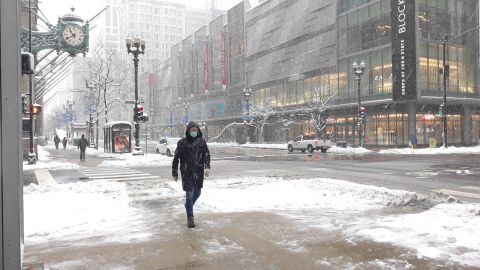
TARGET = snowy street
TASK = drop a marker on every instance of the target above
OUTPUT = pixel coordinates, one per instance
(260, 209)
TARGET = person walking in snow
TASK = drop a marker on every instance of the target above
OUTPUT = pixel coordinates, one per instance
(82, 145)
(64, 142)
(194, 157)
(57, 141)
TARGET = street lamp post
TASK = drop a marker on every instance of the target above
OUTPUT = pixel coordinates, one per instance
(247, 93)
(446, 74)
(186, 105)
(136, 46)
(359, 70)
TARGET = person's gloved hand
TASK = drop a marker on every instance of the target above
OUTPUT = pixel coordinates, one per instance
(207, 173)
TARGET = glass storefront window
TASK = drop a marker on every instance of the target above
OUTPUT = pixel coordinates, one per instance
(476, 129)
(308, 91)
(387, 71)
(300, 92)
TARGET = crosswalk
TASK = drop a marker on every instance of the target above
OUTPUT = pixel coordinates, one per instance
(141, 187)
(123, 174)
(471, 192)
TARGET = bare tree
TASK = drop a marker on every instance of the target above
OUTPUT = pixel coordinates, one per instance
(322, 100)
(107, 75)
(261, 113)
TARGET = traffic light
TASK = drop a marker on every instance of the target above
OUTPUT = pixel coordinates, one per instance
(35, 109)
(28, 63)
(446, 71)
(139, 115)
(24, 104)
(440, 110)
(363, 112)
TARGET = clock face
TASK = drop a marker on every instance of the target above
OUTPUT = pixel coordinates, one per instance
(73, 35)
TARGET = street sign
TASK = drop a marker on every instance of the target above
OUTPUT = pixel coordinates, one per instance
(133, 102)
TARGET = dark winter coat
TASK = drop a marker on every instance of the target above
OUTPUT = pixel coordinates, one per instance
(194, 158)
(56, 140)
(64, 141)
(82, 144)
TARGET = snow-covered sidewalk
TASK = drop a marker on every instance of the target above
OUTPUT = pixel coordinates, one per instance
(433, 151)
(46, 162)
(446, 232)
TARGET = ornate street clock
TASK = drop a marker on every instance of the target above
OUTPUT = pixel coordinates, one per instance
(72, 34)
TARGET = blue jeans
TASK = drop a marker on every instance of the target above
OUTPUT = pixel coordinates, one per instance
(190, 199)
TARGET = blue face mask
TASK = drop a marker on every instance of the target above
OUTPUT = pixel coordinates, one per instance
(193, 134)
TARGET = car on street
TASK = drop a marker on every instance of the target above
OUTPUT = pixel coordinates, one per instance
(309, 143)
(167, 146)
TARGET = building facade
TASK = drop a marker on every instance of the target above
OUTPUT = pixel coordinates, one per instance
(291, 52)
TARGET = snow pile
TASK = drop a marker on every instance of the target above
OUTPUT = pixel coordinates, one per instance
(45, 162)
(349, 150)
(282, 146)
(433, 151)
(76, 210)
(97, 152)
(229, 195)
(445, 232)
(129, 160)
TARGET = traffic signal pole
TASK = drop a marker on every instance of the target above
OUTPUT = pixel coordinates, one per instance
(138, 149)
(445, 78)
(32, 158)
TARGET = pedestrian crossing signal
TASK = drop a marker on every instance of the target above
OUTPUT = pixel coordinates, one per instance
(35, 109)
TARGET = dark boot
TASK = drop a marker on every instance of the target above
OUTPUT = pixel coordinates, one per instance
(190, 222)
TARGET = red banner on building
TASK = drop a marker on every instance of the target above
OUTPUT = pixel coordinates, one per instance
(205, 67)
(151, 80)
(223, 60)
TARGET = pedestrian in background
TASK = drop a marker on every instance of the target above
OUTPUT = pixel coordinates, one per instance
(413, 141)
(192, 152)
(64, 142)
(57, 141)
(82, 145)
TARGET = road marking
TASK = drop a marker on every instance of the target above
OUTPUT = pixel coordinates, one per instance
(458, 193)
(112, 174)
(44, 178)
(113, 177)
(126, 179)
(107, 171)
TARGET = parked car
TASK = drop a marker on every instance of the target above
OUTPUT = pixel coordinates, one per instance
(309, 143)
(167, 146)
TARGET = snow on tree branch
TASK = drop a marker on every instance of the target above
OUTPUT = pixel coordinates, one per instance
(323, 98)
(260, 114)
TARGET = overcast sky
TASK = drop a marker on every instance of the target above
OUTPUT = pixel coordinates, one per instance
(88, 8)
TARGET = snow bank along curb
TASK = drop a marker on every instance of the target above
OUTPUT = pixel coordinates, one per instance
(433, 151)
